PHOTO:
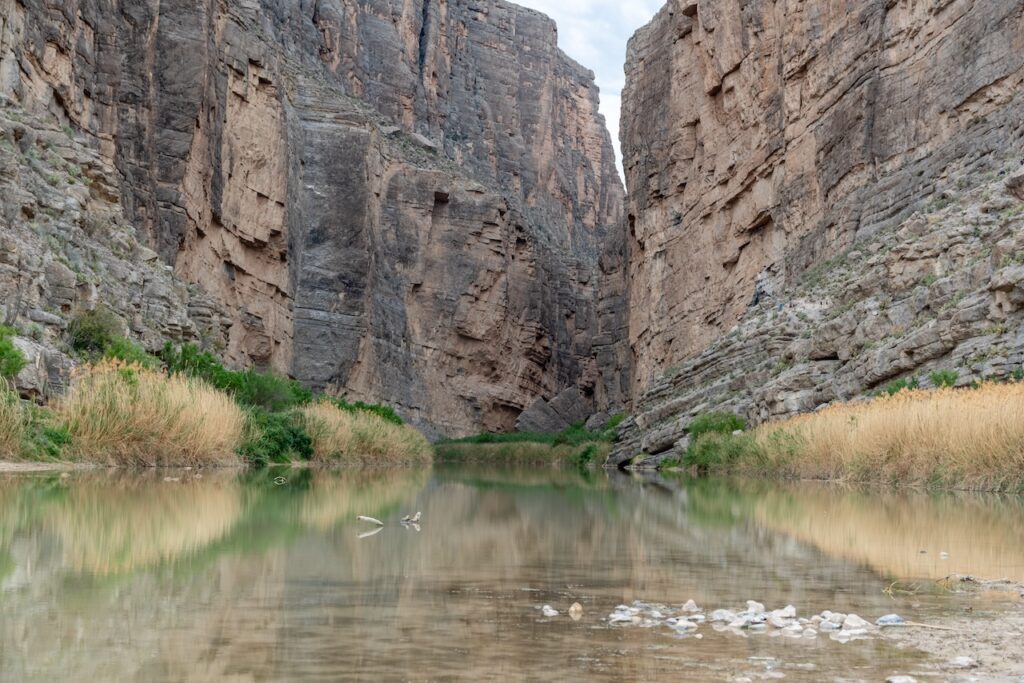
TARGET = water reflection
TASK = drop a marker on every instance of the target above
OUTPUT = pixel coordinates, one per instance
(904, 535)
(233, 577)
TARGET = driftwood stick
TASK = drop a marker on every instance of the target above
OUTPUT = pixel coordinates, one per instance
(914, 624)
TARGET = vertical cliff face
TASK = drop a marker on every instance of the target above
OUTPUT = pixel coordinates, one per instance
(762, 137)
(775, 155)
(404, 200)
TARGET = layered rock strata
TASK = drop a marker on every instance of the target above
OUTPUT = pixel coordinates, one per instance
(408, 201)
(775, 158)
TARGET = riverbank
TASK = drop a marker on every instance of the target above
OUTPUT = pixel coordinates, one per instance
(977, 643)
(127, 408)
(576, 446)
(965, 439)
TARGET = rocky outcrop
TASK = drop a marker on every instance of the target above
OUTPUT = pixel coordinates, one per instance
(66, 246)
(407, 201)
(775, 158)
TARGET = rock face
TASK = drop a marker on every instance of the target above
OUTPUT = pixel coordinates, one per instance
(395, 200)
(775, 157)
(66, 246)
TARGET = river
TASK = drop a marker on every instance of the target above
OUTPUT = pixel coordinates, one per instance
(269, 576)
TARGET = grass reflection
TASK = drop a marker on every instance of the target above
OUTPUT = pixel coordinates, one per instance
(105, 525)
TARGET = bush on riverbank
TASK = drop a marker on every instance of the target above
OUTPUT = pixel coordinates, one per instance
(133, 416)
(361, 437)
(576, 445)
(275, 438)
(250, 388)
(121, 410)
(966, 439)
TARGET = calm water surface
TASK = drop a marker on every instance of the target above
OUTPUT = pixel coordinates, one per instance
(227, 577)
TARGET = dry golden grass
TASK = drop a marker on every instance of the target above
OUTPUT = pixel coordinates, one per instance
(960, 438)
(130, 416)
(362, 438)
(12, 423)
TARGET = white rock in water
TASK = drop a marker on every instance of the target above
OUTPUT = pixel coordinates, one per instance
(576, 611)
(964, 663)
(828, 626)
(853, 622)
(787, 612)
(655, 614)
(723, 615)
(620, 618)
(755, 607)
(549, 611)
(810, 633)
(778, 622)
(691, 607)
(901, 679)
(685, 625)
(890, 620)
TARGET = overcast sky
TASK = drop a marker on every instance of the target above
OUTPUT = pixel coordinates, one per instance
(595, 33)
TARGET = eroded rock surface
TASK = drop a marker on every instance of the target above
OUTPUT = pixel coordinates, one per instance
(407, 201)
(775, 156)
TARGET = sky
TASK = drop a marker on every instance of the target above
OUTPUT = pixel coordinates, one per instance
(595, 33)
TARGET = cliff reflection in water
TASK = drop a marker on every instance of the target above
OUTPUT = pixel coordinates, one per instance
(228, 577)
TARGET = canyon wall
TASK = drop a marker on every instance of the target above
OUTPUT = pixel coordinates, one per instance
(818, 204)
(396, 200)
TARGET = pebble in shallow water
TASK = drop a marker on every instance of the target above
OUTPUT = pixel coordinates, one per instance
(780, 622)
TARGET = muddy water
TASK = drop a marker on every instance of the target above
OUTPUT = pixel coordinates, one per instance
(233, 577)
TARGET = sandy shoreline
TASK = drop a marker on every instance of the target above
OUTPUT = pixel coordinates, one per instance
(30, 467)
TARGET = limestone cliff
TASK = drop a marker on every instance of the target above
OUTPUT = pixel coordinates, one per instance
(398, 200)
(776, 154)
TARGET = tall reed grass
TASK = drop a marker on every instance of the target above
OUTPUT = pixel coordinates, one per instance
(12, 423)
(362, 438)
(133, 416)
(969, 439)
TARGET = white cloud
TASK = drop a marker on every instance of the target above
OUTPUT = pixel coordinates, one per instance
(595, 33)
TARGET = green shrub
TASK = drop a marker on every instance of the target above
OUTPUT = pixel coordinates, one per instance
(91, 332)
(12, 360)
(386, 413)
(944, 378)
(275, 438)
(716, 450)
(128, 351)
(586, 457)
(893, 388)
(717, 423)
(250, 388)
